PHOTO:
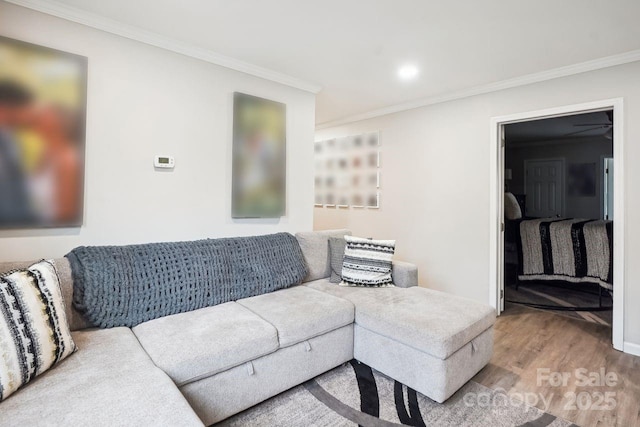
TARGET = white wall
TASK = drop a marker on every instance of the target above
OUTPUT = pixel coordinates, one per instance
(144, 101)
(435, 180)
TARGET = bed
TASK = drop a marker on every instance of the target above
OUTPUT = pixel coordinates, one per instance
(562, 250)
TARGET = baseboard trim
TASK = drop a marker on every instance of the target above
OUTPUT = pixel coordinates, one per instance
(631, 348)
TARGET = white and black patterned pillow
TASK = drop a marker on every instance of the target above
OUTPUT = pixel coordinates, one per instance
(34, 333)
(511, 207)
(367, 262)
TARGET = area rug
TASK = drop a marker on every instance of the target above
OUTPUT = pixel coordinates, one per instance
(355, 395)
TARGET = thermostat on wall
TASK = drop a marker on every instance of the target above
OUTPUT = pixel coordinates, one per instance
(166, 162)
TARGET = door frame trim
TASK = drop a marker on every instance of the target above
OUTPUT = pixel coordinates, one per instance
(496, 201)
(563, 205)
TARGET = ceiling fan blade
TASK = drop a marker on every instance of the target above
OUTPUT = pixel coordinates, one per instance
(585, 130)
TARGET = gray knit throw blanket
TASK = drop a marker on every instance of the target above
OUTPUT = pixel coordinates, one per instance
(128, 285)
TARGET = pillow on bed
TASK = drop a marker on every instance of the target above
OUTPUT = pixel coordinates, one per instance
(34, 333)
(367, 262)
(511, 207)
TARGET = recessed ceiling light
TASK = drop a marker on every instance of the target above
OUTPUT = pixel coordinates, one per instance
(407, 72)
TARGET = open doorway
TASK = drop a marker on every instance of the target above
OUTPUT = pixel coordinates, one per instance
(502, 178)
(558, 244)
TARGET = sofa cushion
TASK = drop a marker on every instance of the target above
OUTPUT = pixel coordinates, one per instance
(325, 285)
(315, 249)
(367, 262)
(336, 257)
(200, 343)
(300, 313)
(431, 321)
(109, 381)
(34, 333)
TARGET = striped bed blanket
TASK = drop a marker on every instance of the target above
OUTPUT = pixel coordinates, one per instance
(574, 250)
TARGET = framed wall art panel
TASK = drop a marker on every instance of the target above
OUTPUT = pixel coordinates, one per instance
(259, 157)
(43, 98)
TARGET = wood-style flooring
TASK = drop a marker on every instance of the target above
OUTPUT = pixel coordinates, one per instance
(533, 348)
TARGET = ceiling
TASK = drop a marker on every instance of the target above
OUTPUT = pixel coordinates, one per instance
(575, 126)
(352, 49)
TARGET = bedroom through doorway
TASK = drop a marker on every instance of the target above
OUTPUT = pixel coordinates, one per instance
(558, 240)
(559, 175)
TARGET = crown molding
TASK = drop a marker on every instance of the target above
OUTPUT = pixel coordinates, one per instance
(89, 19)
(569, 70)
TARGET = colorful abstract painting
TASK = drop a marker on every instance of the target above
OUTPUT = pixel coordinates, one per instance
(259, 157)
(42, 136)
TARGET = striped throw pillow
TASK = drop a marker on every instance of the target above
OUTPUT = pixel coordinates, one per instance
(367, 262)
(34, 333)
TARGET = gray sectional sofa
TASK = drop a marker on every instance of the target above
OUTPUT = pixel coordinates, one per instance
(203, 366)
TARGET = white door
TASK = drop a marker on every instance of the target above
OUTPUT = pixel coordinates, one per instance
(608, 188)
(544, 188)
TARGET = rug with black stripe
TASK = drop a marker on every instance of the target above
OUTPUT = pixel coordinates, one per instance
(356, 395)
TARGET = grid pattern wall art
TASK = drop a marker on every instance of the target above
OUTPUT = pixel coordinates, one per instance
(347, 171)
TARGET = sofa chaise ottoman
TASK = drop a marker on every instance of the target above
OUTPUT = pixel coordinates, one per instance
(434, 342)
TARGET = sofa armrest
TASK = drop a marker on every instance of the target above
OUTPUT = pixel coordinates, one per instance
(404, 274)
